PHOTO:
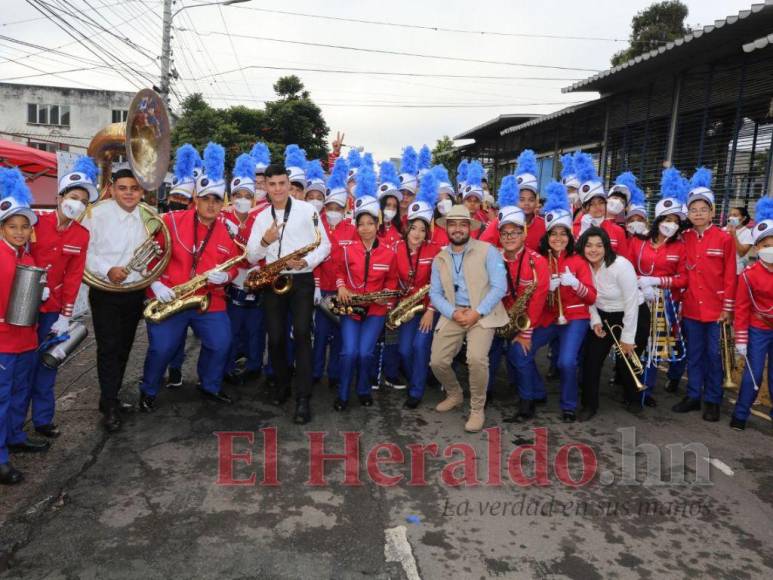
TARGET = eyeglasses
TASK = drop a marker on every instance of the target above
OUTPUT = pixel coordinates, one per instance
(510, 235)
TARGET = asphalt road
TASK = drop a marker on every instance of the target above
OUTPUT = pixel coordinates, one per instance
(145, 503)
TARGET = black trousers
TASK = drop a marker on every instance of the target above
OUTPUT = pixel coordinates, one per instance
(115, 316)
(299, 304)
(596, 351)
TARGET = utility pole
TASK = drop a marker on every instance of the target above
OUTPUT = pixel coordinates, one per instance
(166, 49)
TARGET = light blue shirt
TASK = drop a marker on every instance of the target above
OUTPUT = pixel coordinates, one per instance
(495, 267)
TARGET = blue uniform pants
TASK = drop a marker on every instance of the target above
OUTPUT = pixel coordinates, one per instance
(42, 396)
(164, 339)
(358, 344)
(499, 347)
(248, 335)
(15, 376)
(415, 348)
(326, 334)
(760, 348)
(704, 363)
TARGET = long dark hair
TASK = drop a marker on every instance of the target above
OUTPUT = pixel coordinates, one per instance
(397, 222)
(655, 230)
(596, 232)
(410, 225)
(544, 246)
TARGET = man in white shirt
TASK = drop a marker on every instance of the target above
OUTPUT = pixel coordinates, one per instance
(288, 225)
(117, 229)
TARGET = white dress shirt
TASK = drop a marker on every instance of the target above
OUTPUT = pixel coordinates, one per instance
(115, 234)
(617, 291)
(298, 232)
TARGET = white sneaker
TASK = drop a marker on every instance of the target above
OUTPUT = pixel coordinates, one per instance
(395, 386)
(375, 386)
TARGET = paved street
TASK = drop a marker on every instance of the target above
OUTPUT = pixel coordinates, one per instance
(145, 503)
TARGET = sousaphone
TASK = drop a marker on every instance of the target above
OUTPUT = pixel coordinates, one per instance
(144, 141)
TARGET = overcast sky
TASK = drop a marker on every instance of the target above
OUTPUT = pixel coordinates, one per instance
(382, 113)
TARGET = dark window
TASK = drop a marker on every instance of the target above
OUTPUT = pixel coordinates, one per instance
(64, 117)
(32, 113)
(120, 115)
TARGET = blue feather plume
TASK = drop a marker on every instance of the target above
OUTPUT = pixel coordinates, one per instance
(410, 161)
(441, 174)
(475, 173)
(462, 170)
(214, 161)
(314, 170)
(567, 166)
(425, 158)
(584, 168)
(260, 153)
(185, 161)
(339, 174)
(555, 197)
(701, 178)
(672, 184)
(508, 191)
(366, 182)
(637, 195)
(295, 156)
(527, 163)
(85, 164)
(12, 184)
(764, 209)
(353, 159)
(388, 173)
(244, 166)
(428, 189)
(367, 159)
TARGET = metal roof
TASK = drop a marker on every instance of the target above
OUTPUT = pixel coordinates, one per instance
(758, 43)
(723, 37)
(544, 118)
(491, 128)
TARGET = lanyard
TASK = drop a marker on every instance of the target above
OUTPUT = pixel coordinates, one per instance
(459, 269)
(284, 223)
(514, 288)
(413, 268)
(197, 252)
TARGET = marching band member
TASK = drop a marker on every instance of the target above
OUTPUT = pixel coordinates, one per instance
(364, 266)
(619, 197)
(18, 344)
(180, 195)
(390, 230)
(636, 225)
(340, 231)
(594, 204)
(567, 313)
(289, 225)
(262, 157)
(522, 266)
(415, 253)
(315, 185)
(409, 182)
(467, 285)
(445, 200)
(245, 312)
(116, 230)
(200, 242)
(353, 162)
(461, 177)
(618, 303)
(659, 261)
(572, 184)
(709, 299)
(295, 163)
(60, 244)
(754, 316)
(472, 197)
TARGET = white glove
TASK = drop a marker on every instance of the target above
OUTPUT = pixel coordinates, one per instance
(317, 296)
(217, 278)
(163, 292)
(555, 282)
(61, 326)
(648, 281)
(46, 293)
(233, 229)
(586, 221)
(741, 349)
(569, 279)
(649, 294)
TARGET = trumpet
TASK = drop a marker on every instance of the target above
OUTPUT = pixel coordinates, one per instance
(727, 349)
(555, 296)
(632, 361)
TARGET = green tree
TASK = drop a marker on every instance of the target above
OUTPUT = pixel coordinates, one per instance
(295, 118)
(650, 28)
(446, 154)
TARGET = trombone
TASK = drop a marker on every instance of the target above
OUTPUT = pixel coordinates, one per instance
(727, 350)
(555, 297)
(632, 361)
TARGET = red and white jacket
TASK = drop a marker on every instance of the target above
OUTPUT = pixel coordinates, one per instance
(63, 252)
(711, 274)
(534, 232)
(389, 236)
(617, 237)
(13, 339)
(343, 234)
(439, 236)
(754, 301)
(364, 271)
(419, 262)
(666, 262)
(517, 285)
(219, 248)
(241, 231)
(574, 301)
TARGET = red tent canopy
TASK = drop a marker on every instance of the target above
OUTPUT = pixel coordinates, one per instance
(39, 167)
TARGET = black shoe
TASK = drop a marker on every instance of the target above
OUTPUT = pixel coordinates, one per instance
(542, 401)
(105, 404)
(634, 408)
(51, 431)
(340, 405)
(672, 386)
(686, 405)
(112, 420)
(525, 412)
(332, 384)
(711, 412)
(220, 397)
(30, 446)
(250, 376)
(737, 424)
(234, 378)
(411, 403)
(175, 379)
(146, 403)
(280, 397)
(365, 400)
(569, 417)
(649, 401)
(586, 414)
(489, 399)
(9, 475)
(302, 411)
(552, 374)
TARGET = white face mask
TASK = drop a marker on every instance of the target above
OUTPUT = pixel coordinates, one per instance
(574, 199)
(389, 214)
(317, 203)
(636, 228)
(242, 205)
(444, 206)
(260, 194)
(766, 255)
(615, 206)
(668, 229)
(334, 217)
(733, 221)
(597, 221)
(73, 208)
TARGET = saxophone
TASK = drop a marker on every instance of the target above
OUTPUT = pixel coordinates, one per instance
(359, 302)
(271, 274)
(407, 308)
(185, 294)
(519, 321)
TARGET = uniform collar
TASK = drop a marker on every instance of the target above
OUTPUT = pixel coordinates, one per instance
(17, 252)
(124, 215)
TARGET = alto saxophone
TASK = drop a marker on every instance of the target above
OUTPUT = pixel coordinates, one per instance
(358, 302)
(185, 294)
(519, 320)
(271, 274)
(407, 308)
